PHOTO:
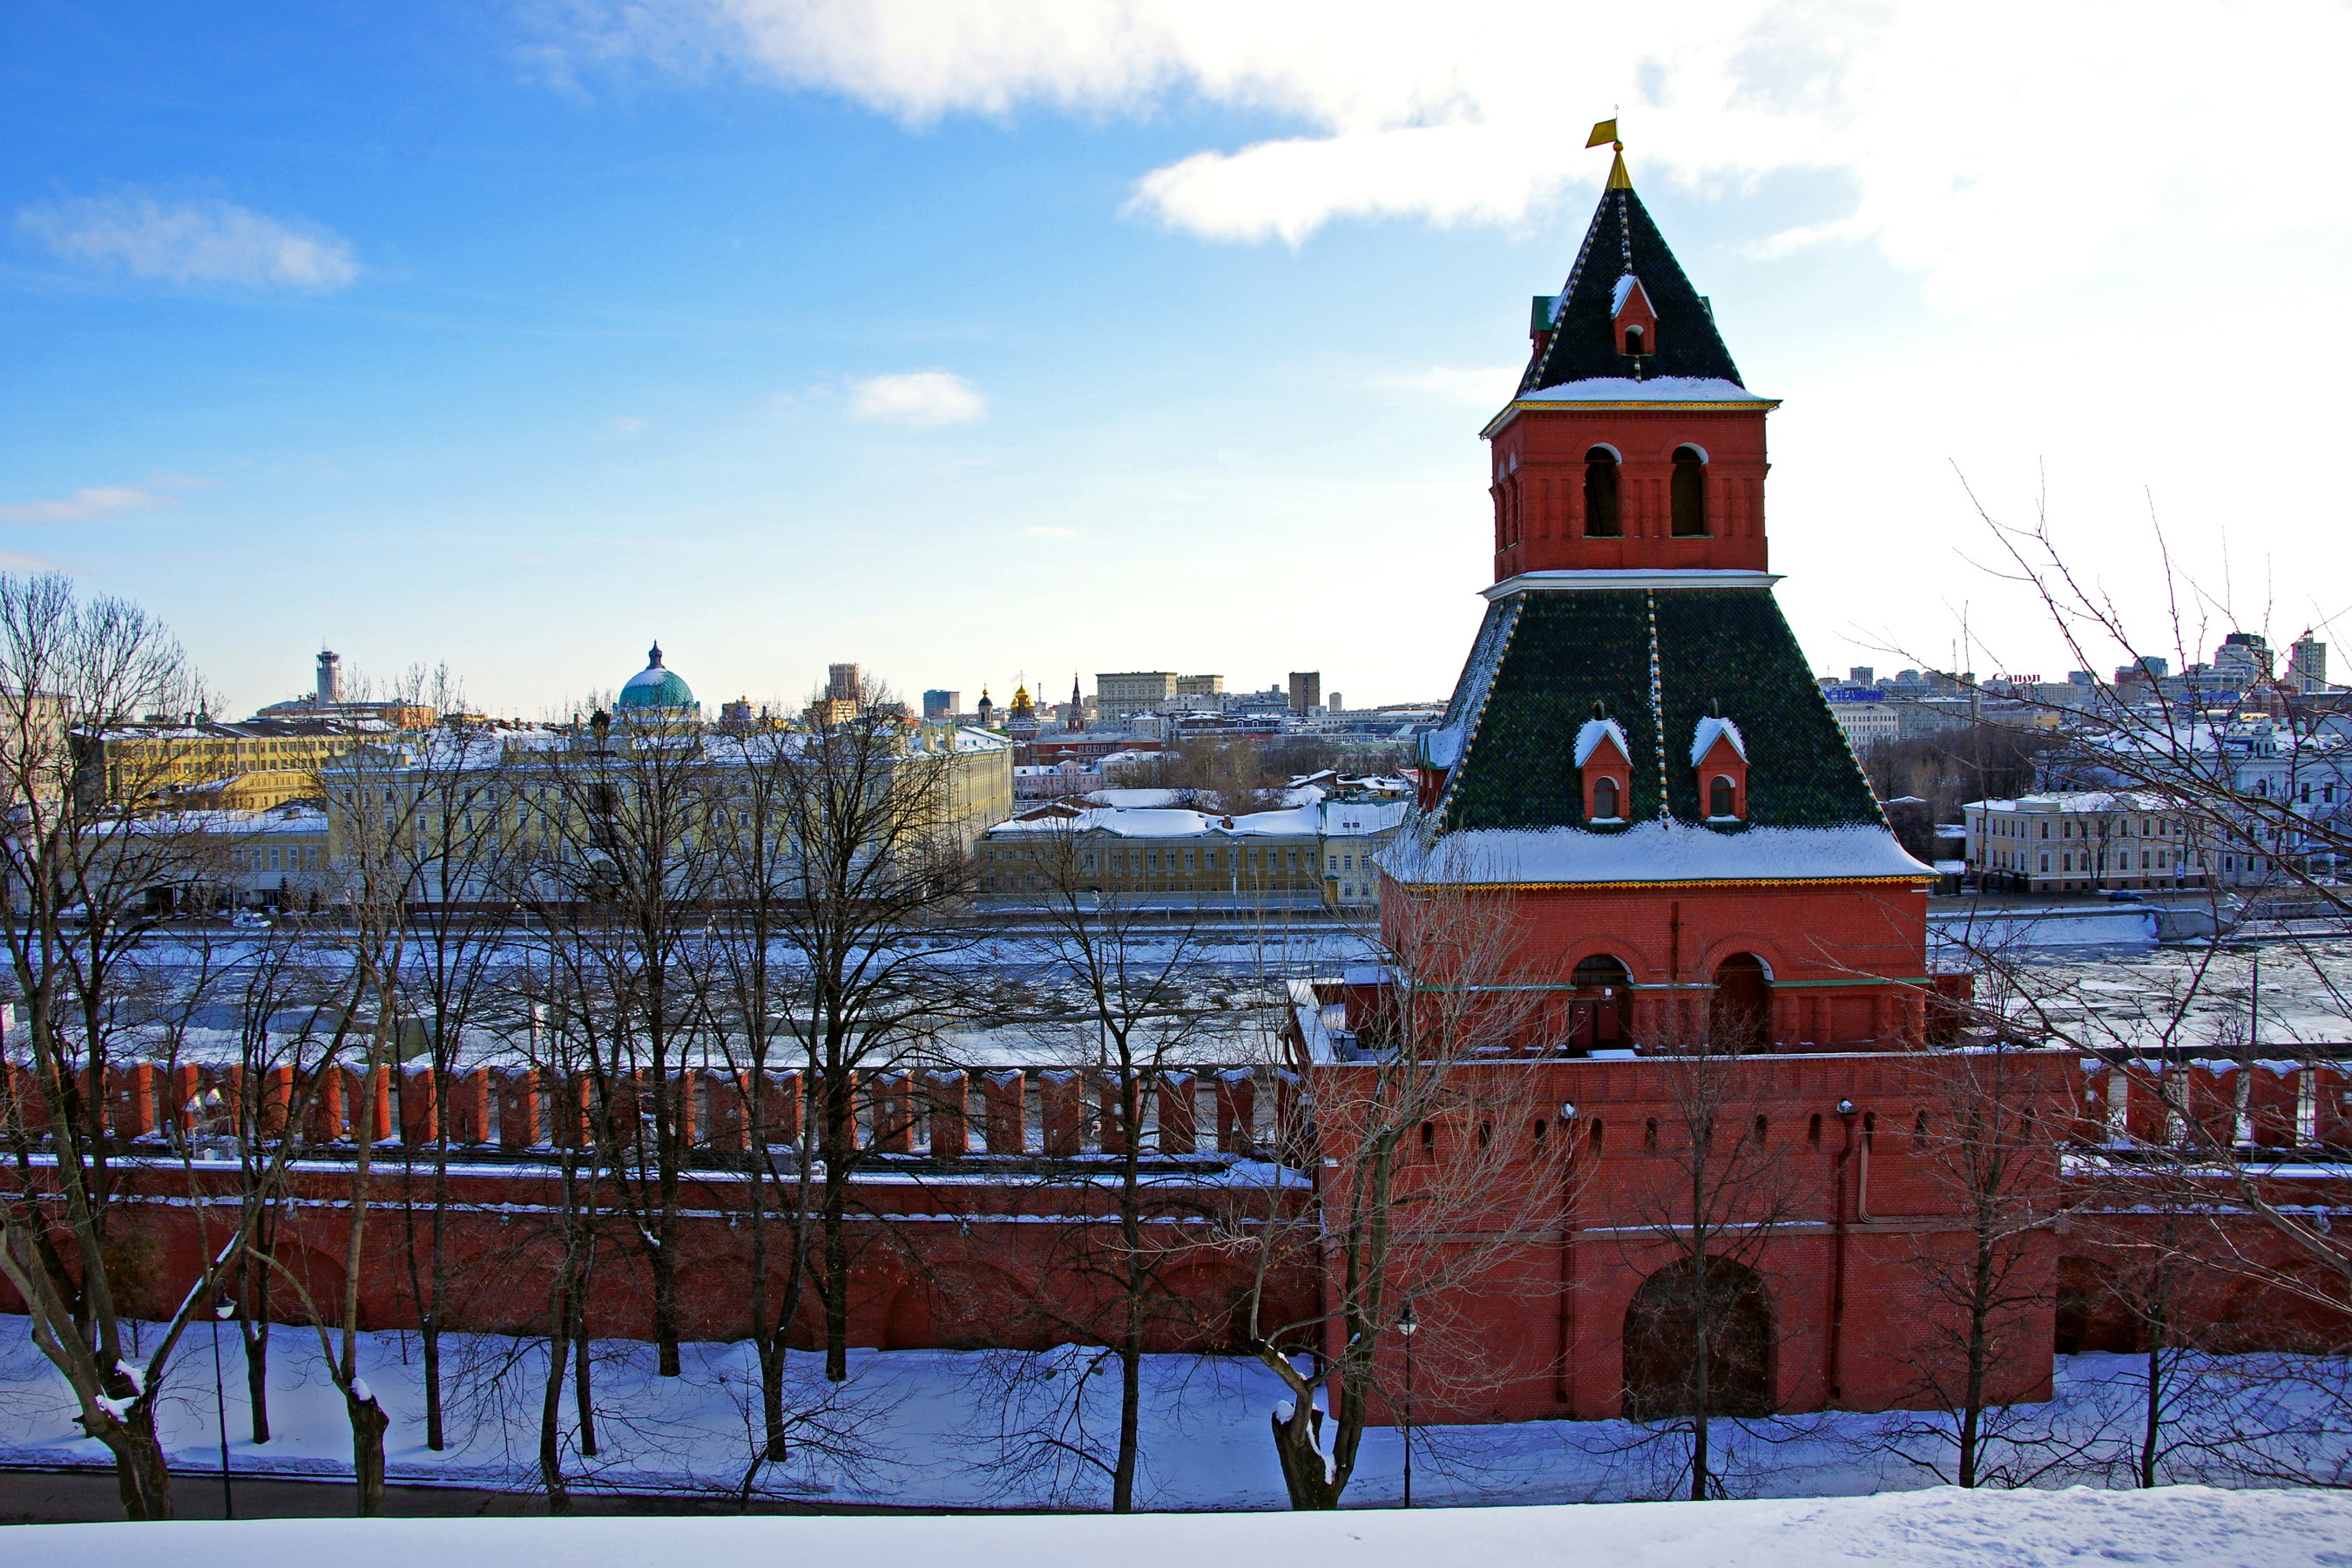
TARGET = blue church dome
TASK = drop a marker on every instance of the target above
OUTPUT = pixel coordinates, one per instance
(654, 687)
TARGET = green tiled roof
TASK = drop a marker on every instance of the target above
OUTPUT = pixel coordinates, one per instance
(1723, 651)
(1622, 240)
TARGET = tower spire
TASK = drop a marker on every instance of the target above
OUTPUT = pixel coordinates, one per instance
(1619, 180)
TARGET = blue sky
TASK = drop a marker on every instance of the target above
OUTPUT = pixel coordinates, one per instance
(971, 342)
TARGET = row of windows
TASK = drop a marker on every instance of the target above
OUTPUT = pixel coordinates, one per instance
(2117, 860)
(2003, 827)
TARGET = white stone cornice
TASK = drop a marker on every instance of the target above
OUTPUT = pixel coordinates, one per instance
(1615, 580)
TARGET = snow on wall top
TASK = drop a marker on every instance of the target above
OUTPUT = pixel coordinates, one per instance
(1594, 732)
(1655, 389)
(1703, 739)
(1652, 852)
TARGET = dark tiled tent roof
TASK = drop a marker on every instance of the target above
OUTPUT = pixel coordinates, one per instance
(1725, 652)
(1584, 344)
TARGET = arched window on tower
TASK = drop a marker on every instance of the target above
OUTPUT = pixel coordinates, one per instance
(1604, 801)
(1689, 494)
(1600, 494)
(1722, 798)
(1637, 341)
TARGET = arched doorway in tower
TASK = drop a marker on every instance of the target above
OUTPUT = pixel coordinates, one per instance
(1740, 1017)
(1598, 1007)
(1721, 1304)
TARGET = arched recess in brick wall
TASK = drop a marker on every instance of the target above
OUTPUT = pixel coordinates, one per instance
(1597, 1016)
(1662, 1365)
(1740, 1017)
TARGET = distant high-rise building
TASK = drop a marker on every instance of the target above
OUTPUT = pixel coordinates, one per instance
(1200, 685)
(331, 677)
(2306, 663)
(1337, 702)
(937, 705)
(1122, 694)
(1860, 674)
(842, 683)
(1306, 690)
(2242, 660)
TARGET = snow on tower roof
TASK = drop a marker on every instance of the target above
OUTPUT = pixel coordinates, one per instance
(1652, 852)
(1596, 731)
(1703, 739)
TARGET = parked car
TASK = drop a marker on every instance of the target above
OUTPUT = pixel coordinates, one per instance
(249, 920)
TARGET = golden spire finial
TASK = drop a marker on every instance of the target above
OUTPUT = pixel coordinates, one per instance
(1619, 180)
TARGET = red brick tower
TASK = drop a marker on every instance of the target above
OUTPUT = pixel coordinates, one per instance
(1637, 757)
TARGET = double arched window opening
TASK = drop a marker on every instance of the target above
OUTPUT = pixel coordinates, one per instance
(1686, 495)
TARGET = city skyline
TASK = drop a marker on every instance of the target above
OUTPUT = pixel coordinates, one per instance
(512, 338)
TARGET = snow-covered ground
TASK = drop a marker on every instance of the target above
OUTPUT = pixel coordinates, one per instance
(2184, 1527)
(923, 1429)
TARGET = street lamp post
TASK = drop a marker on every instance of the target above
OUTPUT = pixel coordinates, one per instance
(222, 1311)
(1405, 1325)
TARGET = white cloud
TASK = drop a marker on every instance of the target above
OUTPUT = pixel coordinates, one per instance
(193, 242)
(1989, 149)
(86, 504)
(923, 398)
(623, 426)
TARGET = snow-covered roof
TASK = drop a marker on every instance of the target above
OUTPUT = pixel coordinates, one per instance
(1626, 284)
(2088, 800)
(1594, 732)
(1704, 738)
(1653, 389)
(1652, 852)
(1171, 822)
(1346, 818)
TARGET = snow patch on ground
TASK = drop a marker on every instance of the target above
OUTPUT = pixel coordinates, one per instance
(2187, 1527)
(982, 1429)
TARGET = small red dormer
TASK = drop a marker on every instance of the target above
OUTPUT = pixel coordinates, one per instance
(1719, 757)
(1633, 318)
(1605, 765)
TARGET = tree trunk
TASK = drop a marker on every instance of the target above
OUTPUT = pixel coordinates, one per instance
(1305, 1475)
(254, 1333)
(368, 1424)
(583, 1394)
(665, 1270)
(837, 1285)
(550, 1409)
(1130, 1408)
(140, 1473)
(428, 1332)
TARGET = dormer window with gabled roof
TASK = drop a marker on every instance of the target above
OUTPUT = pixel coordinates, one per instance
(1633, 318)
(1719, 757)
(1605, 764)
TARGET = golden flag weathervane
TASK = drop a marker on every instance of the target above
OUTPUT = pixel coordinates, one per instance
(1619, 180)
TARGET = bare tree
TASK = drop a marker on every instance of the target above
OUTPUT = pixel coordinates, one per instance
(1125, 1007)
(1986, 1125)
(77, 865)
(876, 875)
(634, 873)
(1698, 1344)
(1437, 1171)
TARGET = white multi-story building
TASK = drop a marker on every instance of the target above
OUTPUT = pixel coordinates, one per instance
(2085, 841)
